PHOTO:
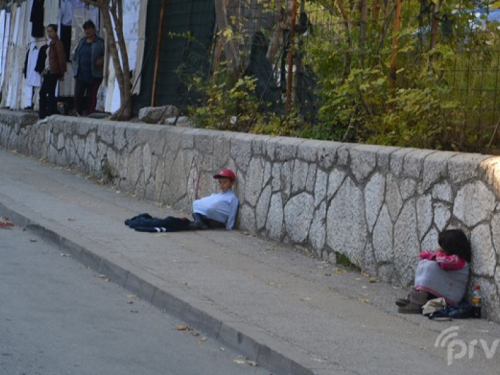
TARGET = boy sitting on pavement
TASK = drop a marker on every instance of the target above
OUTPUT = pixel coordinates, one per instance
(217, 210)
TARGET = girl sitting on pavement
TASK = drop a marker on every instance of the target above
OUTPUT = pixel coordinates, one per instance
(443, 272)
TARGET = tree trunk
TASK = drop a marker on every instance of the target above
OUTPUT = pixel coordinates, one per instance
(283, 24)
(124, 81)
(226, 36)
(113, 8)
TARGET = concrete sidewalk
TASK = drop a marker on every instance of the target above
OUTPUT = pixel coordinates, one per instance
(287, 312)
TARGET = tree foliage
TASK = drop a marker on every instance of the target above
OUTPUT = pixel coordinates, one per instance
(413, 73)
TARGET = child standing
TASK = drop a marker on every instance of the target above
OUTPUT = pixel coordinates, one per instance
(443, 272)
(217, 210)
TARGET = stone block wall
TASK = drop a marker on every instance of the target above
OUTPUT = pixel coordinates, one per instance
(377, 206)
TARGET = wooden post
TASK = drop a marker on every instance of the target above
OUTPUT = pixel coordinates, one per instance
(289, 83)
(394, 56)
(158, 51)
(435, 23)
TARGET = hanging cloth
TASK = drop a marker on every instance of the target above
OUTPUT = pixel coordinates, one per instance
(36, 18)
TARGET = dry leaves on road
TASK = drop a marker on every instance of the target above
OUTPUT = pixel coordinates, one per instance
(245, 361)
(183, 327)
(5, 222)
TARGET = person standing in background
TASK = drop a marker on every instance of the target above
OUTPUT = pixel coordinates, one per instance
(54, 72)
(88, 69)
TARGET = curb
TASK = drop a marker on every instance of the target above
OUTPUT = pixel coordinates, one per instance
(203, 315)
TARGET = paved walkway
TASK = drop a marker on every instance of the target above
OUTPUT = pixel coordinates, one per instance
(289, 313)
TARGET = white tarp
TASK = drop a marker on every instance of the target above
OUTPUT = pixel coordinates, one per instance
(134, 12)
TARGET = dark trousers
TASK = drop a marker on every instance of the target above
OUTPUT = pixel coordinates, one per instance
(48, 96)
(86, 92)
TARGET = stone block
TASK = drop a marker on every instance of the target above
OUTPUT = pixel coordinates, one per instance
(286, 148)
(311, 178)
(307, 151)
(346, 224)
(413, 163)
(406, 244)
(408, 188)
(483, 256)
(442, 215)
(299, 176)
(156, 115)
(383, 248)
(495, 231)
(424, 214)
(247, 218)
(241, 152)
(463, 167)
(274, 222)
(474, 203)
(262, 209)
(335, 180)
(298, 216)
(393, 196)
(442, 191)
(327, 154)
(396, 161)
(374, 198)
(253, 186)
(317, 232)
(490, 173)
(383, 158)
(363, 161)
(320, 187)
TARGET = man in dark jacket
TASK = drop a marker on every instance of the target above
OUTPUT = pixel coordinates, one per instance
(55, 70)
(88, 69)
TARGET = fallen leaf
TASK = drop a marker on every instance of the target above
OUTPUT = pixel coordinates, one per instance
(364, 300)
(366, 274)
(202, 340)
(373, 280)
(240, 361)
(338, 270)
(182, 327)
(63, 255)
(131, 296)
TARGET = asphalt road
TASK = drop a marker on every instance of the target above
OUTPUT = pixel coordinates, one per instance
(59, 318)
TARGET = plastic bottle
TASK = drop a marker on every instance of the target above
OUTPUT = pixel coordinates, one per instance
(476, 302)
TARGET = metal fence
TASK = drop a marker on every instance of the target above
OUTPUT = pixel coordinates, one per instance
(291, 60)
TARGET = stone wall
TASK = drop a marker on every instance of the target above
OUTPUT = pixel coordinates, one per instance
(377, 206)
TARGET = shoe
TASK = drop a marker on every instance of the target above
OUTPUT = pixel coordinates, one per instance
(411, 308)
(200, 225)
(402, 302)
(417, 299)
